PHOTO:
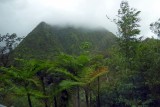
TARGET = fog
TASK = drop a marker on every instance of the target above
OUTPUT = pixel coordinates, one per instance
(21, 16)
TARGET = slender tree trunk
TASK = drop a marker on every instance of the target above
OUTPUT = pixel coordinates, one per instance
(44, 92)
(64, 99)
(55, 102)
(98, 96)
(86, 95)
(90, 95)
(29, 100)
(28, 95)
(78, 97)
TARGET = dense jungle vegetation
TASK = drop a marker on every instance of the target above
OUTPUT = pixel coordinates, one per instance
(68, 67)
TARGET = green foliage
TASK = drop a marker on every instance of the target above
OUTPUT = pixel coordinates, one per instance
(7, 44)
(22, 79)
(155, 27)
(42, 80)
(127, 21)
(127, 77)
(135, 86)
(46, 41)
(127, 24)
(133, 65)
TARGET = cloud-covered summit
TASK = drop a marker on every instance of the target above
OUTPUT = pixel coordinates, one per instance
(21, 16)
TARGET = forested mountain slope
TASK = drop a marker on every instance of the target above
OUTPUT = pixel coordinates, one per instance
(45, 41)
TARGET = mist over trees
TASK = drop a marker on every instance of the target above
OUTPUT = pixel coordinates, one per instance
(7, 44)
(82, 71)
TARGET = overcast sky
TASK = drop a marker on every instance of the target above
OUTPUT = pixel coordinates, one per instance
(21, 16)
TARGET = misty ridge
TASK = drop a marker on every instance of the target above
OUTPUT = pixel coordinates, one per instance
(27, 14)
(76, 57)
(74, 26)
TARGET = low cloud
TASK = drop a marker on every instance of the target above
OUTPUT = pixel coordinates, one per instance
(21, 16)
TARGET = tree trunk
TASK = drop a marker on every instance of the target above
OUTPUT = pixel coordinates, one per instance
(64, 99)
(90, 95)
(29, 100)
(44, 92)
(78, 97)
(98, 96)
(86, 95)
(55, 102)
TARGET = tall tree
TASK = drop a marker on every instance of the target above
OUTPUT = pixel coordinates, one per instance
(127, 24)
(123, 58)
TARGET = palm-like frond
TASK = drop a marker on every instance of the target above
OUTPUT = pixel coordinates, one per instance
(99, 72)
(85, 79)
(64, 72)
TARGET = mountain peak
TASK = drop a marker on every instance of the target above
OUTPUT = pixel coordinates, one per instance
(42, 23)
(42, 26)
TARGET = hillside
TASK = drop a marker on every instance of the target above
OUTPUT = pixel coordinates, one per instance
(45, 41)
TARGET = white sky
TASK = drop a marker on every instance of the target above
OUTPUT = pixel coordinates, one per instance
(21, 16)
